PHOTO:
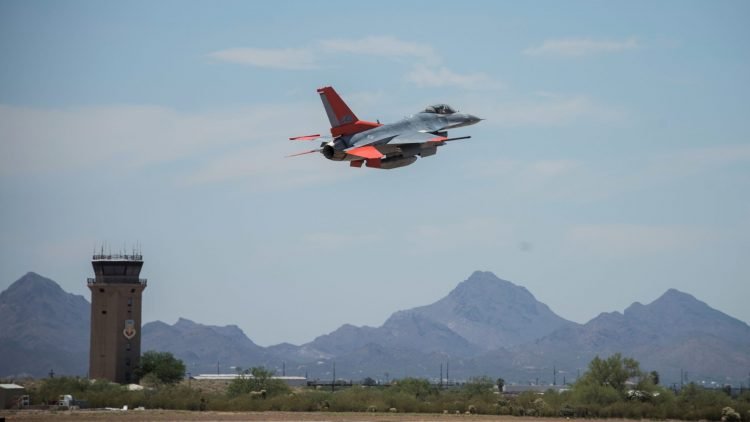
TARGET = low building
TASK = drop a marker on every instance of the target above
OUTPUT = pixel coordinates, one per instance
(514, 390)
(288, 380)
(10, 394)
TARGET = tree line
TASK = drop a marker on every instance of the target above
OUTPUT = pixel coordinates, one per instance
(612, 387)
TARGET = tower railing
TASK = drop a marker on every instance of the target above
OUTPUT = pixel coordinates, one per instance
(133, 257)
(91, 281)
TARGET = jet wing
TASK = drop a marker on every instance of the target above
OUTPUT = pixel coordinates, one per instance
(422, 138)
(416, 143)
(411, 143)
(368, 151)
(416, 138)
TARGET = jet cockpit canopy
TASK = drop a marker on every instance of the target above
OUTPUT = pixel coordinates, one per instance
(440, 109)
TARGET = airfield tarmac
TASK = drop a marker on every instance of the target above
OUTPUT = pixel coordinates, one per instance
(183, 415)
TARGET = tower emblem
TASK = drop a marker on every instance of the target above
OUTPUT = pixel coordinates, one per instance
(129, 331)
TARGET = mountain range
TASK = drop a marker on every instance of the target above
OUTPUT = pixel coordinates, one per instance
(43, 328)
(485, 326)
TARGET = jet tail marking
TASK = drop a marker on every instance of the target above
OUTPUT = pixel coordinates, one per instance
(338, 112)
(342, 118)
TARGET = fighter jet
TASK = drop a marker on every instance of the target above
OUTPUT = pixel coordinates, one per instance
(384, 146)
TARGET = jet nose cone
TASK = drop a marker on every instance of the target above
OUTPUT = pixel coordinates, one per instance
(472, 119)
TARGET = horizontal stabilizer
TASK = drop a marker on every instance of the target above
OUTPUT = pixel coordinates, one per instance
(365, 152)
(305, 138)
(306, 152)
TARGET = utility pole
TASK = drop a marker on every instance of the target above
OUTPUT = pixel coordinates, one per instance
(441, 375)
(682, 378)
(448, 372)
(333, 384)
(554, 375)
(283, 368)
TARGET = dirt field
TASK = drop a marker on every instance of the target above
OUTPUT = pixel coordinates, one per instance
(179, 415)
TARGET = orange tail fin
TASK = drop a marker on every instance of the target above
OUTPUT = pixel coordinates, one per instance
(342, 118)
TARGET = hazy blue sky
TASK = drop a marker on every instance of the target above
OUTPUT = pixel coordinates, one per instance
(614, 162)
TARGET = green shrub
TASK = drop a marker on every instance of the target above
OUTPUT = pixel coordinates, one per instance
(729, 415)
(163, 365)
(257, 379)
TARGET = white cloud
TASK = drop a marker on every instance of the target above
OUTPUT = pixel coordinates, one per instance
(265, 167)
(425, 72)
(539, 179)
(283, 58)
(550, 110)
(623, 240)
(719, 155)
(553, 168)
(332, 241)
(306, 58)
(424, 76)
(535, 169)
(381, 46)
(680, 165)
(597, 180)
(457, 235)
(576, 47)
(247, 144)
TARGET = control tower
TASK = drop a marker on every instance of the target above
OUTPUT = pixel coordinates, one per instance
(115, 316)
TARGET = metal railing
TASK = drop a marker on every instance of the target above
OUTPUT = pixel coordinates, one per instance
(91, 281)
(133, 257)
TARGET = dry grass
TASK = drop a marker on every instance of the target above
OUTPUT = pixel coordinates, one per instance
(183, 415)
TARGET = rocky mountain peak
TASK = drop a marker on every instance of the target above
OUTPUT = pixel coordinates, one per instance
(33, 294)
(485, 288)
(484, 325)
(188, 327)
(672, 302)
(682, 312)
(32, 285)
(42, 327)
(184, 322)
(490, 312)
(674, 296)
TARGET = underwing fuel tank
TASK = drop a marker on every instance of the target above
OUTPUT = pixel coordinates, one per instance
(391, 162)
